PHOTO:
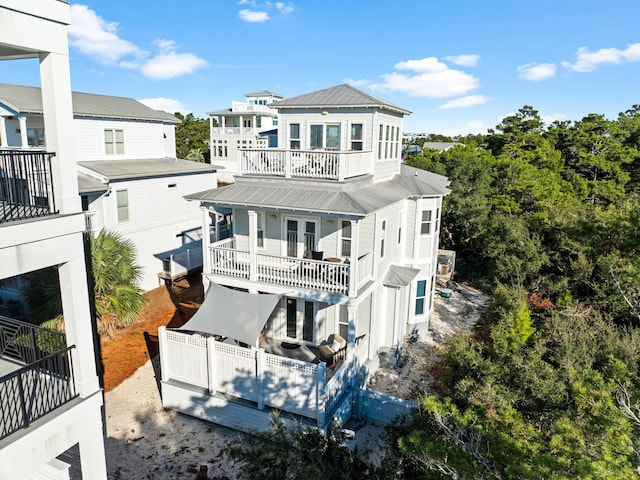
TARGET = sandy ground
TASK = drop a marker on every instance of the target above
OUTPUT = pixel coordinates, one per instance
(144, 441)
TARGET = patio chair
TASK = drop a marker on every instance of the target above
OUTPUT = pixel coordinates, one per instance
(334, 350)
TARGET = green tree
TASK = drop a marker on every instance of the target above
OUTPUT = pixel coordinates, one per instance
(192, 133)
(195, 154)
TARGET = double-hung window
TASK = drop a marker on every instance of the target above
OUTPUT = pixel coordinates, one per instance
(421, 295)
(114, 141)
(294, 136)
(260, 229)
(356, 136)
(345, 245)
(35, 137)
(122, 199)
(425, 223)
(383, 235)
(324, 136)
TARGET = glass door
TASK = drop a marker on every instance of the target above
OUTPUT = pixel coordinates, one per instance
(301, 237)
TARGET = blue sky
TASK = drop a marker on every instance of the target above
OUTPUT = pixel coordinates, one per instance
(458, 66)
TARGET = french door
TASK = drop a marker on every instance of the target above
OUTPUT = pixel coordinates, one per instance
(302, 236)
(300, 319)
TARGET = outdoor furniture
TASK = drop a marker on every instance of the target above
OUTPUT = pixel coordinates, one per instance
(335, 349)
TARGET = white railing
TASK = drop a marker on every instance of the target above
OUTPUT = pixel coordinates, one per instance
(251, 374)
(365, 268)
(290, 271)
(323, 164)
(182, 263)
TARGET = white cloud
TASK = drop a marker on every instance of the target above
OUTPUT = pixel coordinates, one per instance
(536, 72)
(463, 102)
(473, 127)
(247, 2)
(464, 60)
(253, 16)
(356, 83)
(284, 9)
(97, 38)
(549, 119)
(169, 64)
(587, 61)
(165, 104)
(433, 79)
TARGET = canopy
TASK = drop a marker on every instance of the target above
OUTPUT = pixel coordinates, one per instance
(233, 313)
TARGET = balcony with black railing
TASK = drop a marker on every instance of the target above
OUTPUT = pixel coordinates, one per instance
(36, 374)
(26, 187)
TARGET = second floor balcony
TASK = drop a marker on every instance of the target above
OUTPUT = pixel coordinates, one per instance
(316, 164)
(331, 275)
(36, 374)
(26, 186)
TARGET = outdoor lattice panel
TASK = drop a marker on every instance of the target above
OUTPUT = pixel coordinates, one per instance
(11, 416)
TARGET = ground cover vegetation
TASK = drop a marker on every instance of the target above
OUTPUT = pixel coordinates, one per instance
(547, 219)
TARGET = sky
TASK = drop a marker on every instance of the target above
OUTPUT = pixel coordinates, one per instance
(458, 66)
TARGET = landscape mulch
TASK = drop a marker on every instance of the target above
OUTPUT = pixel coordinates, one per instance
(131, 347)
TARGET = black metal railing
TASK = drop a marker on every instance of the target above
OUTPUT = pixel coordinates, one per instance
(25, 343)
(34, 391)
(26, 186)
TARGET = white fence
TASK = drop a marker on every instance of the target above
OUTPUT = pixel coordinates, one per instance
(251, 374)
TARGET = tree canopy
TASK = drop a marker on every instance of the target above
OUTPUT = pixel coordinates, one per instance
(192, 138)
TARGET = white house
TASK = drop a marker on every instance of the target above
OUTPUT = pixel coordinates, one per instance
(250, 124)
(50, 397)
(332, 262)
(129, 177)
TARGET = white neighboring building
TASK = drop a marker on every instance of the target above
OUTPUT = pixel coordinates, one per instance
(129, 178)
(332, 262)
(250, 124)
(50, 397)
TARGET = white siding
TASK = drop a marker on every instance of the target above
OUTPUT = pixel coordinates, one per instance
(141, 139)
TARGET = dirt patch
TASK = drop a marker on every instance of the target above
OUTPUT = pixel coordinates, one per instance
(132, 347)
(412, 379)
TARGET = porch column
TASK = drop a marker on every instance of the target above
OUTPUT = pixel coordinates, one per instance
(3, 133)
(353, 266)
(253, 245)
(253, 124)
(24, 141)
(211, 146)
(241, 124)
(91, 445)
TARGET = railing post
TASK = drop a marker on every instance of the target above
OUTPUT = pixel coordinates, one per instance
(287, 163)
(321, 390)
(211, 366)
(253, 245)
(164, 362)
(260, 363)
(342, 166)
(23, 401)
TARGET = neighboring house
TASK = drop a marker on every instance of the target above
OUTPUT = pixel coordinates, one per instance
(250, 124)
(332, 262)
(130, 180)
(440, 146)
(50, 396)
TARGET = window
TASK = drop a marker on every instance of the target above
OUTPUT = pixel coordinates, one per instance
(294, 136)
(421, 294)
(260, 230)
(345, 244)
(324, 136)
(292, 314)
(246, 123)
(383, 234)
(307, 322)
(122, 199)
(343, 322)
(114, 142)
(259, 122)
(356, 136)
(35, 137)
(400, 222)
(425, 224)
(234, 122)
(300, 319)
(380, 143)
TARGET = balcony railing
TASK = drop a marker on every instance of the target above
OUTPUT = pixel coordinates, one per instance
(321, 164)
(226, 260)
(38, 388)
(26, 187)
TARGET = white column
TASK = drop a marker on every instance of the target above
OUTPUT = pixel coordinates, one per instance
(58, 124)
(254, 124)
(353, 274)
(78, 320)
(24, 141)
(206, 243)
(3, 132)
(253, 245)
(241, 124)
(92, 453)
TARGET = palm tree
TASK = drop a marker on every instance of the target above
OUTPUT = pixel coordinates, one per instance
(118, 298)
(195, 154)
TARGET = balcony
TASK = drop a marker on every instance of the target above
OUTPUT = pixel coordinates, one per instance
(303, 273)
(36, 374)
(26, 187)
(318, 164)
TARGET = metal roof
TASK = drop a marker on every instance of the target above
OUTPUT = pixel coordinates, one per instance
(29, 100)
(357, 200)
(399, 276)
(263, 93)
(153, 167)
(89, 184)
(339, 96)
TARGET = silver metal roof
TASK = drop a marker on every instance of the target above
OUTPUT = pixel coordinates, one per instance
(263, 93)
(399, 276)
(89, 184)
(153, 167)
(354, 200)
(336, 97)
(29, 100)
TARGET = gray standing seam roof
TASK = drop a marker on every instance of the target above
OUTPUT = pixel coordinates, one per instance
(29, 100)
(301, 197)
(338, 96)
(154, 167)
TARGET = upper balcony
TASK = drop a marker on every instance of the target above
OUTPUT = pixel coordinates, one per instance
(26, 187)
(36, 374)
(316, 164)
